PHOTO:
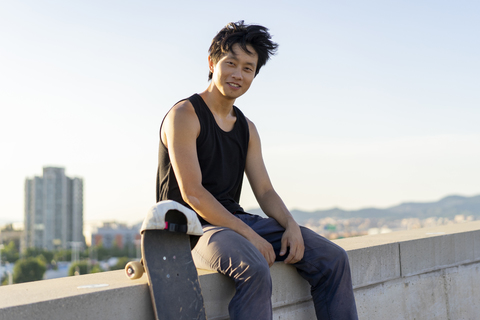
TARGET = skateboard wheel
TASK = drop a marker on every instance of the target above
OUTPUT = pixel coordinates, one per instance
(134, 270)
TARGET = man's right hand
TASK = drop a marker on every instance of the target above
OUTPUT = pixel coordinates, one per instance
(265, 248)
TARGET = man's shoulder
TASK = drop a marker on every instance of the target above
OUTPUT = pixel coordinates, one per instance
(250, 123)
(183, 115)
(182, 108)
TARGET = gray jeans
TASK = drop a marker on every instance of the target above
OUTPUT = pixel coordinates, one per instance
(324, 265)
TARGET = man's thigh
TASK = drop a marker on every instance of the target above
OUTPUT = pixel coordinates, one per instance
(224, 250)
(317, 248)
(219, 246)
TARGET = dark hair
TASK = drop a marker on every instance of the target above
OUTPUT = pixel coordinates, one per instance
(237, 32)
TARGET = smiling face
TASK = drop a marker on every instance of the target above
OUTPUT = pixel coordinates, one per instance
(234, 72)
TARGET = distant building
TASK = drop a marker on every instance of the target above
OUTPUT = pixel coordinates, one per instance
(53, 210)
(114, 234)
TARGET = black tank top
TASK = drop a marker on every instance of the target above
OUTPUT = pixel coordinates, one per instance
(221, 155)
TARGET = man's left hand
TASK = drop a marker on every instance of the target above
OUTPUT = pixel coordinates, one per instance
(292, 238)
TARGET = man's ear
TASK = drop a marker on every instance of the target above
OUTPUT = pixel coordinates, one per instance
(210, 64)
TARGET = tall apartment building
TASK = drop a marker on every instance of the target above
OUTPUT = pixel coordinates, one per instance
(53, 210)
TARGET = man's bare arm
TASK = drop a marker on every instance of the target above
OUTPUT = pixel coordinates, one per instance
(270, 201)
(179, 133)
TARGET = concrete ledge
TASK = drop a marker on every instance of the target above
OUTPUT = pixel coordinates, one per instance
(429, 273)
(376, 264)
(374, 259)
(107, 295)
(447, 294)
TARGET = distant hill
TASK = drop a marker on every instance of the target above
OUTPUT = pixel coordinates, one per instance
(447, 207)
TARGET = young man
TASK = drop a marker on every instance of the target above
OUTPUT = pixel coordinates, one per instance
(206, 145)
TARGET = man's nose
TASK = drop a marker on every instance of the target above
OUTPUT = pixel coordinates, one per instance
(237, 74)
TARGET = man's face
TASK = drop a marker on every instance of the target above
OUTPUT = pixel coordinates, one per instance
(234, 72)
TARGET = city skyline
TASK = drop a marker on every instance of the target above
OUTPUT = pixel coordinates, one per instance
(365, 105)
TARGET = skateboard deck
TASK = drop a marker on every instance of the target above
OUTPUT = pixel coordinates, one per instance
(172, 276)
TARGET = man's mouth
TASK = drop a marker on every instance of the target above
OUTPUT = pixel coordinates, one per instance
(236, 85)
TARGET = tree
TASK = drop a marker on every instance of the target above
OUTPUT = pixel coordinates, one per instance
(36, 252)
(29, 269)
(10, 253)
(80, 267)
(121, 263)
(95, 269)
(101, 252)
(63, 255)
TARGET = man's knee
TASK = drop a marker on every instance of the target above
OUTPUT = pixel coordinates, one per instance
(257, 271)
(342, 259)
(321, 246)
(338, 258)
(261, 270)
(259, 282)
(323, 256)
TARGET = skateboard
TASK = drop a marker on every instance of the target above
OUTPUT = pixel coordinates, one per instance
(168, 234)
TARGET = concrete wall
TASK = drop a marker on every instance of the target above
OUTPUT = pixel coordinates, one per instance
(431, 273)
(422, 274)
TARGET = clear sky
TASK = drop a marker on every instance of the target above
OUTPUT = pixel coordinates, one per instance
(368, 103)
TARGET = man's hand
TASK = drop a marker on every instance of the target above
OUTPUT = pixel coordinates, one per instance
(292, 238)
(265, 248)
